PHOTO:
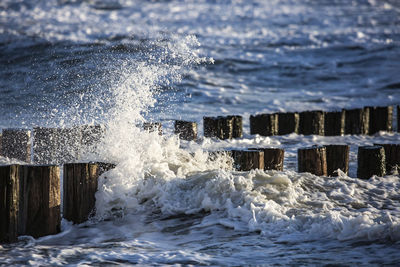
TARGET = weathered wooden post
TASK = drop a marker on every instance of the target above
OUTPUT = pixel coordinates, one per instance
(39, 209)
(392, 157)
(246, 160)
(380, 119)
(312, 122)
(356, 121)
(237, 126)
(264, 124)
(45, 145)
(153, 127)
(210, 126)
(187, 130)
(9, 203)
(16, 143)
(334, 123)
(68, 144)
(224, 127)
(288, 123)
(79, 187)
(312, 160)
(273, 158)
(371, 161)
(337, 157)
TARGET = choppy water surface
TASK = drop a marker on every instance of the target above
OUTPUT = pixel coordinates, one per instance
(120, 63)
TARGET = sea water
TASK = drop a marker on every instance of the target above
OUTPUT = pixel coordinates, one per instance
(121, 63)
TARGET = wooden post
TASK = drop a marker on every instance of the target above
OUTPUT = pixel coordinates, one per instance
(80, 186)
(9, 203)
(153, 127)
(210, 126)
(392, 157)
(45, 145)
(313, 160)
(273, 158)
(380, 119)
(264, 124)
(312, 122)
(39, 210)
(288, 123)
(68, 144)
(16, 143)
(224, 127)
(337, 157)
(356, 121)
(187, 130)
(334, 123)
(246, 160)
(371, 161)
(237, 126)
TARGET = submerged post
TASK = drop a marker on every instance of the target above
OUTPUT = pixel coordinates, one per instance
(246, 160)
(16, 143)
(380, 119)
(334, 123)
(273, 158)
(153, 127)
(80, 186)
(337, 157)
(371, 161)
(288, 123)
(9, 203)
(187, 130)
(312, 160)
(39, 208)
(264, 124)
(312, 122)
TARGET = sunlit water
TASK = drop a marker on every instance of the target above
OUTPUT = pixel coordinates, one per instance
(120, 63)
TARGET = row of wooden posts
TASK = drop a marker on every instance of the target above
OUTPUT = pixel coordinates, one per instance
(58, 145)
(30, 199)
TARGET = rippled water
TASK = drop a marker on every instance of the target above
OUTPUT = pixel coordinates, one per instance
(120, 63)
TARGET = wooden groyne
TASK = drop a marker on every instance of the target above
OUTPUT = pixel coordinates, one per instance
(30, 194)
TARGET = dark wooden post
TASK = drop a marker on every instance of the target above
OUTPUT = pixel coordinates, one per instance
(380, 119)
(224, 127)
(210, 126)
(356, 121)
(371, 161)
(392, 157)
(313, 160)
(337, 157)
(273, 159)
(45, 145)
(80, 186)
(246, 160)
(264, 124)
(288, 123)
(69, 144)
(312, 122)
(237, 126)
(9, 203)
(153, 127)
(39, 210)
(187, 130)
(16, 143)
(334, 123)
